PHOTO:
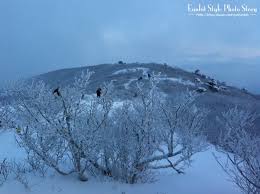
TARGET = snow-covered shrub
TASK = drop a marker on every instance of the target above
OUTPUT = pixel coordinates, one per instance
(121, 62)
(133, 137)
(182, 126)
(154, 133)
(14, 170)
(3, 116)
(241, 148)
(20, 172)
(7, 111)
(198, 80)
(73, 132)
(4, 171)
(244, 90)
(197, 71)
(61, 128)
(201, 90)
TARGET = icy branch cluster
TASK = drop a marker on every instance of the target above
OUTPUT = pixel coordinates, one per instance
(242, 149)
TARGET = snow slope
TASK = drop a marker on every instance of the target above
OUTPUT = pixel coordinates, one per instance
(203, 177)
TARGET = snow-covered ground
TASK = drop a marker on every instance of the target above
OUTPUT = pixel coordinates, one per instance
(127, 84)
(203, 177)
(178, 80)
(132, 70)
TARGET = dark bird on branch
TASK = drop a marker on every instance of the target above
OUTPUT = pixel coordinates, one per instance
(140, 78)
(56, 91)
(98, 92)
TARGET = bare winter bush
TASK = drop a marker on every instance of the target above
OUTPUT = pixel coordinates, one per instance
(153, 133)
(14, 170)
(3, 116)
(6, 111)
(241, 148)
(73, 132)
(4, 171)
(20, 172)
(61, 128)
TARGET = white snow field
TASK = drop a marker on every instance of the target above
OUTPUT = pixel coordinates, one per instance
(132, 70)
(203, 177)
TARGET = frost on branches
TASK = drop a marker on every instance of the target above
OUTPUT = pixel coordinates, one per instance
(241, 148)
(73, 132)
(4, 118)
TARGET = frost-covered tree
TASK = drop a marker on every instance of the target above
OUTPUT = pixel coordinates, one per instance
(182, 125)
(241, 148)
(2, 115)
(73, 132)
(63, 127)
(5, 119)
(133, 137)
(152, 133)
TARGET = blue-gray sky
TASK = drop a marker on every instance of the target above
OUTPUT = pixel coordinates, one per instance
(42, 35)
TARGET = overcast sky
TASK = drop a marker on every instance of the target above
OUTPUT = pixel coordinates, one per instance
(37, 36)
